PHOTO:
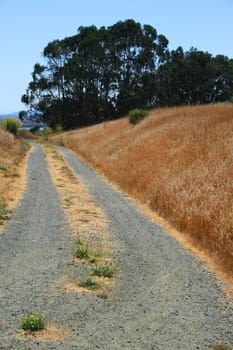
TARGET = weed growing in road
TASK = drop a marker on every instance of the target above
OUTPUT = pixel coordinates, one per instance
(104, 271)
(89, 284)
(33, 322)
(14, 174)
(81, 249)
(3, 166)
(4, 212)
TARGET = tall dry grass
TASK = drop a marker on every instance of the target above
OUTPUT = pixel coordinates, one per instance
(179, 161)
(12, 153)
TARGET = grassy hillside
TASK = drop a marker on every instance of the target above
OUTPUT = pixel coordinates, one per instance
(179, 161)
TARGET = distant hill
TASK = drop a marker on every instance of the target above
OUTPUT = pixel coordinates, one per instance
(14, 114)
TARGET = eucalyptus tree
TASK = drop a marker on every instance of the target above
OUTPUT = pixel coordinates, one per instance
(97, 74)
(194, 77)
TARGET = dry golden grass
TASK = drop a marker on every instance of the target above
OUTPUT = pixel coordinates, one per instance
(12, 168)
(179, 162)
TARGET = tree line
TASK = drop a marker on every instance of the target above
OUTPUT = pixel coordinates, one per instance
(101, 73)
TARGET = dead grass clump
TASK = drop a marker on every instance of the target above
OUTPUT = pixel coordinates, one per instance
(179, 162)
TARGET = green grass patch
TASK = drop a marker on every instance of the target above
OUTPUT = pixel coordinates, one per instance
(14, 174)
(3, 167)
(33, 323)
(4, 212)
(104, 271)
(89, 284)
(136, 115)
(81, 249)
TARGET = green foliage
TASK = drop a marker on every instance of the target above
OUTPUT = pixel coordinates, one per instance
(131, 67)
(89, 284)
(33, 322)
(74, 95)
(136, 115)
(104, 271)
(3, 166)
(194, 77)
(81, 249)
(4, 212)
(10, 124)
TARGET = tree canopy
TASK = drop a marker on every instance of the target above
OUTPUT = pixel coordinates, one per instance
(101, 73)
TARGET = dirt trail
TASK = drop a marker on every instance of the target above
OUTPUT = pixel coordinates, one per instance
(164, 298)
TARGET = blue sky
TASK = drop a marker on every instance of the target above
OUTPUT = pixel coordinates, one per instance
(26, 27)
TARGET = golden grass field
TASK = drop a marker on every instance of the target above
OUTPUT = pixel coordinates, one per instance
(179, 161)
(12, 168)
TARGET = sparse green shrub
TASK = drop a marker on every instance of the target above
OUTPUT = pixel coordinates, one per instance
(136, 115)
(4, 212)
(3, 166)
(89, 284)
(10, 124)
(33, 322)
(81, 249)
(104, 271)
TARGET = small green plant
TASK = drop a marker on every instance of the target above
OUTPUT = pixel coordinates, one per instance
(33, 322)
(104, 271)
(3, 166)
(14, 174)
(136, 115)
(81, 249)
(4, 212)
(10, 124)
(89, 284)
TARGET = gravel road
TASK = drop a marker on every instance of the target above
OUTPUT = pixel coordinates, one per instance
(164, 298)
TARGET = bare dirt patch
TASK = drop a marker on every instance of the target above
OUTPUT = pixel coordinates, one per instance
(51, 333)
